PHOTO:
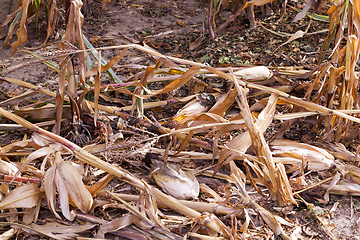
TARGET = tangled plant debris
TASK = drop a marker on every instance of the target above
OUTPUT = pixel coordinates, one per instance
(179, 148)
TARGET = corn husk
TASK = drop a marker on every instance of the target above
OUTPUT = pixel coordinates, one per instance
(337, 2)
(254, 73)
(345, 187)
(8, 168)
(353, 173)
(313, 157)
(175, 181)
(8, 234)
(67, 180)
(201, 103)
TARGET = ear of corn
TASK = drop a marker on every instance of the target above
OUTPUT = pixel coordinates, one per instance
(254, 73)
(313, 157)
(345, 187)
(175, 181)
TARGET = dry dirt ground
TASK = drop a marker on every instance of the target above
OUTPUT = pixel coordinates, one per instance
(172, 27)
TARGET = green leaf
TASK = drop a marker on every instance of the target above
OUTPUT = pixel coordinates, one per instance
(204, 58)
(111, 72)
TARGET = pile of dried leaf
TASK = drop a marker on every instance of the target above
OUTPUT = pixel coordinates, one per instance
(94, 171)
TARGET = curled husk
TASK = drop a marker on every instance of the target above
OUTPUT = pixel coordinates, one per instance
(175, 181)
(67, 180)
(201, 103)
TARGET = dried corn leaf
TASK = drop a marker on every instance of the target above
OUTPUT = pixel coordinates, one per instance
(276, 183)
(12, 147)
(60, 231)
(239, 179)
(270, 220)
(242, 142)
(224, 102)
(202, 103)
(116, 224)
(17, 99)
(68, 175)
(338, 150)
(111, 63)
(42, 152)
(22, 33)
(303, 13)
(175, 84)
(352, 172)
(25, 196)
(180, 208)
(50, 189)
(42, 113)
